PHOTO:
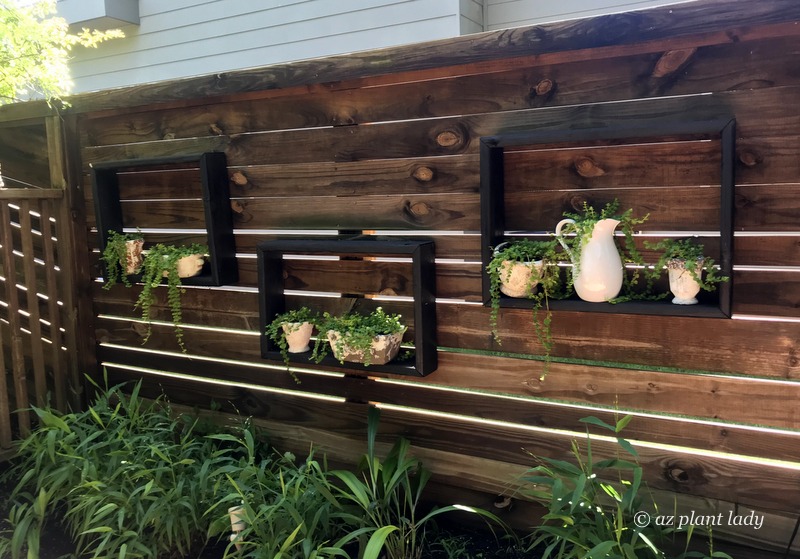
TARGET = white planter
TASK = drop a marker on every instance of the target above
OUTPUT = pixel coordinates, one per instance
(681, 283)
(189, 266)
(237, 515)
(297, 335)
(384, 348)
(133, 256)
(519, 279)
(597, 272)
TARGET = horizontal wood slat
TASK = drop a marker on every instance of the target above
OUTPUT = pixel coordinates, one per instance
(505, 402)
(667, 469)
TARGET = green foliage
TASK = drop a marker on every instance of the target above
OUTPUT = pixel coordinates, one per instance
(128, 478)
(294, 318)
(388, 494)
(115, 258)
(159, 261)
(546, 276)
(289, 509)
(35, 49)
(356, 331)
(681, 253)
(593, 504)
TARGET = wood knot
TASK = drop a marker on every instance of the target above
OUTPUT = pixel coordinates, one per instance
(588, 167)
(448, 138)
(544, 87)
(168, 136)
(591, 388)
(672, 61)
(237, 206)
(678, 474)
(214, 129)
(423, 174)
(388, 291)
(420, 209)
(749, 158)
(238, 178)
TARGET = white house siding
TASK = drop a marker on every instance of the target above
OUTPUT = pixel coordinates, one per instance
(514, 13)
(180, 38)
(472, 13)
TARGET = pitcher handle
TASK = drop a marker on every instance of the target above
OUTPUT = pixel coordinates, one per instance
(560, 237)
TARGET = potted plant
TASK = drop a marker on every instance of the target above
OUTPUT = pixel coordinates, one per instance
(372, 338)
(688, 268)
(528, 269)
(291, 331)
(122, 256)
(173, 263)
(597, 266)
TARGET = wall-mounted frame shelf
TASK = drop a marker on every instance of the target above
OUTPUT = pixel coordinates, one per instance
(493, 219)
(272, 299)
(220, 268)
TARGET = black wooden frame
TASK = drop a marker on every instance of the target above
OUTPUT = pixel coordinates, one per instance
(221, 267)
(492, 197)
(271, 299)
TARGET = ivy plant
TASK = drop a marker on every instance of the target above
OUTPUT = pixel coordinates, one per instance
(678, 252)
(115, 257)
(161, 262)
(356, 332)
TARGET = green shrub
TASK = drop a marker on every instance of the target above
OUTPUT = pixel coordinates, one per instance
(593, 505)
(128, 479)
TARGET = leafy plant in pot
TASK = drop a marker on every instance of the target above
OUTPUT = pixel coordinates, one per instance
(372, 338)
(173, 263)
(689, 269)
(597, 265)
(291, 331)
(528, 269)
(122, 256)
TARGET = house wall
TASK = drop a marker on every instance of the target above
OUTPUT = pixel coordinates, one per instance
(502, 14)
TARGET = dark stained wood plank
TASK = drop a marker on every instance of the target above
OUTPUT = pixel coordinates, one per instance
(767, 250)
(659, 164)
(447, 394)
(758, 348)
(453, 280)
(712, 397)
(767, 293)
(759, 113)
(688, 67)
(671, 469)
(53, 314)
(727, 21)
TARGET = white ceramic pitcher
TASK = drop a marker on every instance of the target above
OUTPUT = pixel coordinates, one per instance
(597, 273)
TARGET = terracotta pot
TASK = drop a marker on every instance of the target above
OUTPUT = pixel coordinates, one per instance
(297, 335)
(384, 348)
(133, 256)
(515, 278)
(683, 286)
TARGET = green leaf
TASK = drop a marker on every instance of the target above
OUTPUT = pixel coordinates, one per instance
(377, 541)
(592, 420)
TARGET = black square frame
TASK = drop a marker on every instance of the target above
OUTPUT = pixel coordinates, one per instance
(272, 301)
(221, 267)
(492, 198)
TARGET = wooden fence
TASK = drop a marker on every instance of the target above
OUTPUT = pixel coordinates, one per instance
(36, 330)
(387, 145)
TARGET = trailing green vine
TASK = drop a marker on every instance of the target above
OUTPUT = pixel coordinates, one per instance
(162, 261)
(115, 257)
